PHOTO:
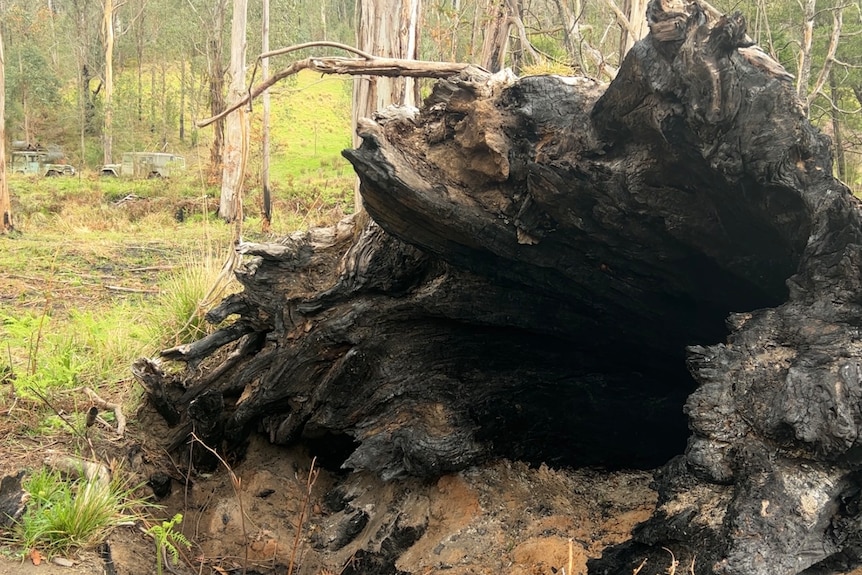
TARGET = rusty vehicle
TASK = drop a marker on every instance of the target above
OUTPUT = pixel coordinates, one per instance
(35, 159)
(145, 165)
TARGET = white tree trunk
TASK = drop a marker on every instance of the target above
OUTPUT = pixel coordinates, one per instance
(496, 41)
(109, 81)
(387, 28)
(236, 124)
(808, 13)
(5, 200)
(264, 168)
(631, 17)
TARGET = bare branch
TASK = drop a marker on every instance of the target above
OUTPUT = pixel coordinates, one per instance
(373, 66)
(837, 24)
(319, 44)
(622, 20)
(107, 405)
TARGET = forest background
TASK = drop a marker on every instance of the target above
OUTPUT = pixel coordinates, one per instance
(169, 62)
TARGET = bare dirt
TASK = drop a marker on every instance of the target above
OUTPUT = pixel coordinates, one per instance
(503, 517)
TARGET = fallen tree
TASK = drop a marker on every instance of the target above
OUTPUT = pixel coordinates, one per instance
(557, 270)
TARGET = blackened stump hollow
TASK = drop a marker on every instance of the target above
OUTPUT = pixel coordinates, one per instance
(546, 265)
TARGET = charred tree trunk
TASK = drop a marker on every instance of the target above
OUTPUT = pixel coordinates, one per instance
(558, 270)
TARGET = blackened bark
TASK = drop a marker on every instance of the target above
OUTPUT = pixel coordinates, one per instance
(548, 263)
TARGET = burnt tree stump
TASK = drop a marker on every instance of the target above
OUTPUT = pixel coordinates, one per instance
(562, 271)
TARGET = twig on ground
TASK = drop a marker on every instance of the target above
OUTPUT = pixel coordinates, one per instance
(108, 406)
(130, 290)
(309, 485)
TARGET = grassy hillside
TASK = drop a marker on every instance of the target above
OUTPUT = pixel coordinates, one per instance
(310, 126)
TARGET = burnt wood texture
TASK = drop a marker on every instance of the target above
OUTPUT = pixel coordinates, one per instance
(657, 271)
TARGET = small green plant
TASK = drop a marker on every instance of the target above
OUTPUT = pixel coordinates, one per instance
(65, 513)
(167, 539)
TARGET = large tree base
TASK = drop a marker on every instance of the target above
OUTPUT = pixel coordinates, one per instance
(548, 263)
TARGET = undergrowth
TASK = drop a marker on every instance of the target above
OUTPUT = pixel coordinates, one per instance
(102, 271)
(65, 513)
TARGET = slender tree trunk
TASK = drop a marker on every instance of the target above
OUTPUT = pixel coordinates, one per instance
(837, 136)
(55, 56)
(5, 200)
(520, 43)
(831, 48)
(109, 82)
(163, 96)
(323, 20)
(496, 41)
(804, 76)
(387, 28)
(28, 132)
(139, 50)
(182, 118)
(631, 17)
(236, 124)
(216, 73)
(264, 168)
(153, 115)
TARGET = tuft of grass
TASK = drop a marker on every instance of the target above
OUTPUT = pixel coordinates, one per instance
(177, 315)
(63, 514)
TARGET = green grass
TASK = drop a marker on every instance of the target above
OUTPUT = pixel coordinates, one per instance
(310, 126)
(177, 315)
(86, 280)
(66, 513)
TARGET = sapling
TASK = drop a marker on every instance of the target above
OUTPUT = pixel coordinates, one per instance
(167, 539)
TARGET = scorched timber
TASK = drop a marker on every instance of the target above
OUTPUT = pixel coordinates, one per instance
(562, 271)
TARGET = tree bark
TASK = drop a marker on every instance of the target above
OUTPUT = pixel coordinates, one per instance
(5, 200)
(390, 29)
(235, 149)
(216, 74)
(809, 8)
(633, 23)
(108, 133)
(555, 270)
(264, 163)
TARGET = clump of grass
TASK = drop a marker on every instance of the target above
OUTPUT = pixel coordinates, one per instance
(178, 314)
(72, 513)
(546, 66)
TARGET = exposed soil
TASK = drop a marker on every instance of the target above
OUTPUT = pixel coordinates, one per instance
(503, 517)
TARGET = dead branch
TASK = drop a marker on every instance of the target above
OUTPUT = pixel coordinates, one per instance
(318, 44)
(621, 18)
(79, 467)
(130, 290)
(366, 65)
(105, 405)
(837, 25)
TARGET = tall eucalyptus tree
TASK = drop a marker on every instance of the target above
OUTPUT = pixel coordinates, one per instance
(235, 151)
(386, 28)
(5, 200)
